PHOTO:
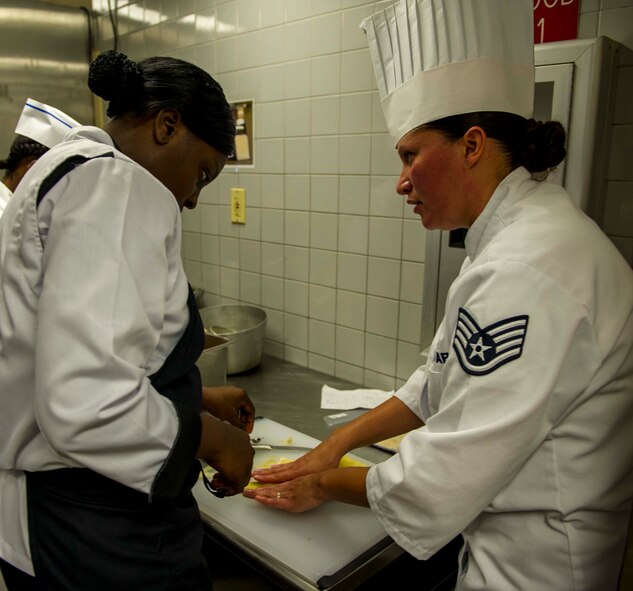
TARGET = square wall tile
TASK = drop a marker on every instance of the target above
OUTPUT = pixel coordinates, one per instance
(191, 220)
(297, 156)
(322, 303)
(353, 37)
(385, 237)
(297, 42)
(326, 34)
(251, 288)
(383, 277)
(296, 356)
(229, 283)
(269, 118)
(324, 231)
(384, 201)
(191, 246)
(357, 73)
(412, 285)
(321, 338)
(209, 218)
(413, 241)
(356, 113)
(408, 360)
(296, 298)
(272, 190)
(296, 331)
(297, 191)
(350, 309)
(324, 193)
(273, 259)
(297, 228)
(272, 83)
(321, 363)
(272, 225)
(354, 194)
(355, 154)
(274, 13)
(274, 324)
(348, 372)
(272, 292)
(323, 267)
(270, 155)
(225, 55)
(352, 272)
(252, 229)
(251, 183)
(296, 263)
(326, 75)
(325, 115)
(229, 252)
(353, 234)
(382, 316)
(384, 157)
(210, 249)
(297, 79)
(324, 155)
(211, 279)
(380, 354)
(297, 117)
(250, 256)
(410, 322)
(350, 346)
(378, 381)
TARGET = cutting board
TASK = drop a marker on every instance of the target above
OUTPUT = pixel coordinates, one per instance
(315, 544)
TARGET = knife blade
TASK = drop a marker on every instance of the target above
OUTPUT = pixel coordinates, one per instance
(266, 446)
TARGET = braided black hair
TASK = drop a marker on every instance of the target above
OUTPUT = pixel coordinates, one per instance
(21, 148)
(537, 145)
(143, 88)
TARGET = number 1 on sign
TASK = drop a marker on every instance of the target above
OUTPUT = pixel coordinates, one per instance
(540, 25)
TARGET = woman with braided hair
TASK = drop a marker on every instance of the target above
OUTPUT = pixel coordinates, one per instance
(517, 430)
(102, 421)
(23, 153)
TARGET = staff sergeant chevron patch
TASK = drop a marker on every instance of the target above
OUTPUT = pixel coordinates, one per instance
(482, 350)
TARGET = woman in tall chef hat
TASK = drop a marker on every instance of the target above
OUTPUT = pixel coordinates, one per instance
(518, 428)
(100, 423)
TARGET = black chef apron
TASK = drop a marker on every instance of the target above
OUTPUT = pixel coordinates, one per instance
(90, 533)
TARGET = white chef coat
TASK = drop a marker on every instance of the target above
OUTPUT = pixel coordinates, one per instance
(5, 195)
(528, 447)
(93, 297)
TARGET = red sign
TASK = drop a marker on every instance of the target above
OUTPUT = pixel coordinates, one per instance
(555, 20)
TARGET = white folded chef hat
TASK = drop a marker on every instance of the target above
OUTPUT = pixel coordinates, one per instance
(436, 58)
(43, 123)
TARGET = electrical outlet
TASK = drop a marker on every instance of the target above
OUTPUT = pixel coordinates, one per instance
(238, 206)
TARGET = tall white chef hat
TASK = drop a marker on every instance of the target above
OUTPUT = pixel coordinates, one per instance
(43, 123)
(436, 58)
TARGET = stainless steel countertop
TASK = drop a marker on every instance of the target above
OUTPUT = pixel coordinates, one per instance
(291, 395)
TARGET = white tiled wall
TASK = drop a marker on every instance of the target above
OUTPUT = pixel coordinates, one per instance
(328, 250)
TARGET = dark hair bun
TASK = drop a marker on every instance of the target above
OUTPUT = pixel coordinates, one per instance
(544, 145)
(115, 78)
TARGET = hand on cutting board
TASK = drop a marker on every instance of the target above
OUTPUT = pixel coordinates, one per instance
(321, 458)
(307, 492)
(228, 450)
(295, 496)
(231, 404)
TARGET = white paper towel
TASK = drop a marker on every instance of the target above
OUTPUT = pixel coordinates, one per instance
(349, 399)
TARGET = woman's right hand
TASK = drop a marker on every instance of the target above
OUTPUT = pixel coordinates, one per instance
(228, 450)
(321, 458)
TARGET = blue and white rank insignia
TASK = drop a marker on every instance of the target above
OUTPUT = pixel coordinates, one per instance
(482, 350)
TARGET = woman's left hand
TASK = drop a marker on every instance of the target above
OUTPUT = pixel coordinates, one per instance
(295, 496)
(231, 404)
